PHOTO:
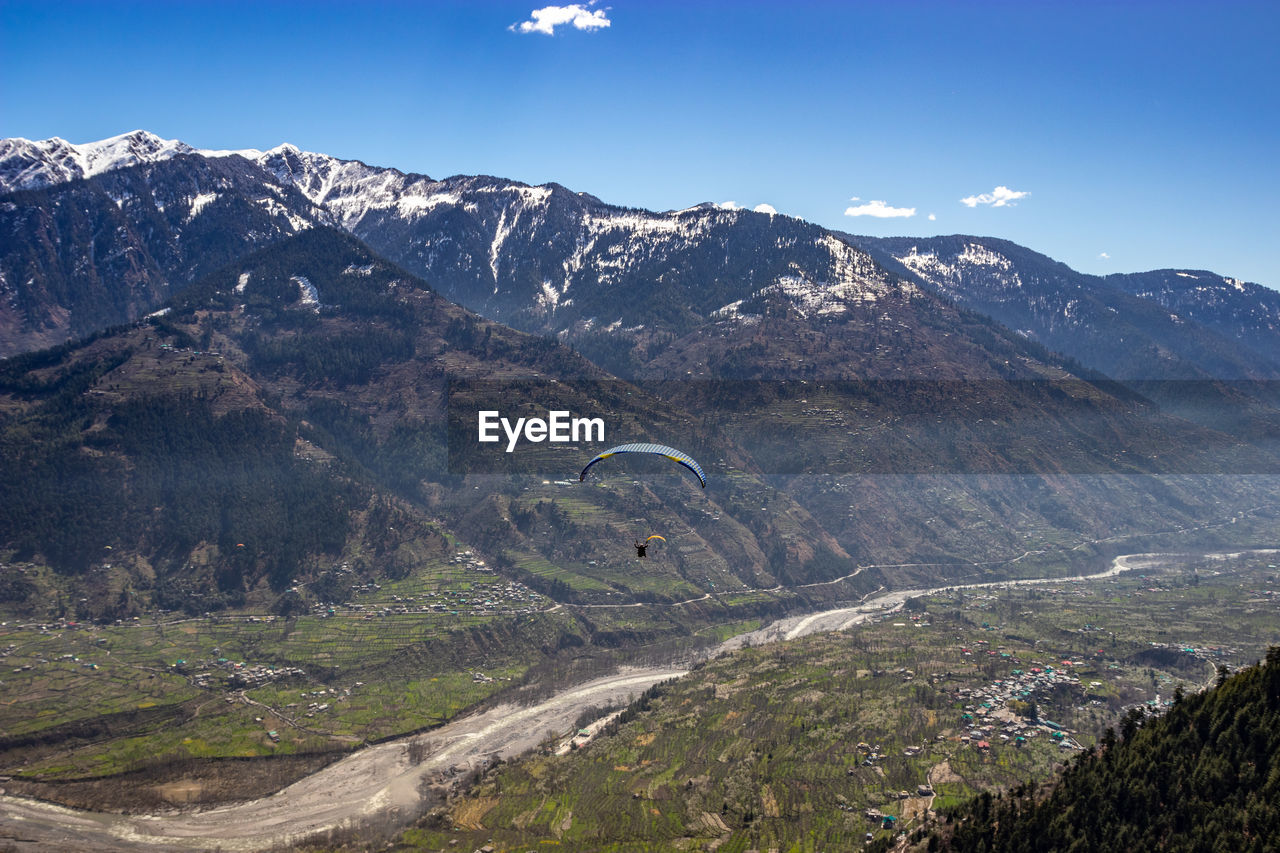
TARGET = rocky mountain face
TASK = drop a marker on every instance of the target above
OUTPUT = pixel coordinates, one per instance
(87, 254)
(1238, 310)
(670, 295)
(626, 285)
(1117, 330)
(858, 401)
(292, 407)
(552, 261)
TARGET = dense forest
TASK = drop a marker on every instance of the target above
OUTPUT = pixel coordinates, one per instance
(1204, 776)
(168, 471)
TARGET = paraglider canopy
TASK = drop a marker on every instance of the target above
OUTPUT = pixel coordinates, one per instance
(656, 536)
(660, 449)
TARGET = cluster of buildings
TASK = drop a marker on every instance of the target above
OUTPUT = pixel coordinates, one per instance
(234, 673)
(489, 598)
(1209, 654)
(470, 561)
(326, 698)
(986, 718)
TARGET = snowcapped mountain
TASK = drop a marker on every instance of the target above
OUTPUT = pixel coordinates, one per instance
(1245, 312)
(1102, 323)
(345, 186)
(705, 293)
(348, 189)
(111, 247)
(543, 259)
(28, 165)
(627, 285)
(552, 261)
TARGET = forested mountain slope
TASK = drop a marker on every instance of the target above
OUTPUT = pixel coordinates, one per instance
(1204, 776)
(250, 436)
(88, 254)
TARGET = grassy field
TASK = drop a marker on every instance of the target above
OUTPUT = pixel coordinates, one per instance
(807, 745)
(89, 700)
(82, 700)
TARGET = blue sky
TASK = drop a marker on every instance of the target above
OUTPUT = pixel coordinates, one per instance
(1125, 135)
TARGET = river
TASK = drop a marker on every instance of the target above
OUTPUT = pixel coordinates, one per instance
(381, 786)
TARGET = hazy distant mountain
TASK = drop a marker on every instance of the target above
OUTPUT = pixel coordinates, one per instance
(1246, 313)
(1120, 332)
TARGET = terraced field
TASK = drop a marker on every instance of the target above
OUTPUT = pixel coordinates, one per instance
(811, 744)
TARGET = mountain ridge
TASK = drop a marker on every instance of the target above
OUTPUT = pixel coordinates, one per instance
(110, 248)
(1087, 317)
(140, 145)
(524, 254)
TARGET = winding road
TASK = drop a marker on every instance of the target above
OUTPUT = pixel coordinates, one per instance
(382, 785)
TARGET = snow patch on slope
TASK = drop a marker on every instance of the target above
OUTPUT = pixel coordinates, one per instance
(414, 206)
(849, 279)
(308, 295)
(278, 210)
(950, 276)
(982, 256)
(199, 203)
(549, 298)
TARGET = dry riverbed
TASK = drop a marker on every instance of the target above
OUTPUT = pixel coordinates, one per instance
(383, 786)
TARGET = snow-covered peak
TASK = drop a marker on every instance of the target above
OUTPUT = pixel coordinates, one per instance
(350, 189)
(29, 165)
(347, 188)
(247, 153)
(128, 149)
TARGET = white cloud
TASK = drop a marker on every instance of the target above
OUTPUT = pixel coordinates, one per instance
(933, 217)
(765, 208)
(729, 205)
(999, 197)
(546, 19)
(1104, 256)
(878, 209)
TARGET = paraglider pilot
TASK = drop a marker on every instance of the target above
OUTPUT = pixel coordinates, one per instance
(641, 547)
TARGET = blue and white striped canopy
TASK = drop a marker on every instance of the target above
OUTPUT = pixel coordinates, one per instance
(660, 449)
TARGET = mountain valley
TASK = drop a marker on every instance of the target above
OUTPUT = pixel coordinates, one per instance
(238, 402)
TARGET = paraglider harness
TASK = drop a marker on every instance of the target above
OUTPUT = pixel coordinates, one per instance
(641, 547)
